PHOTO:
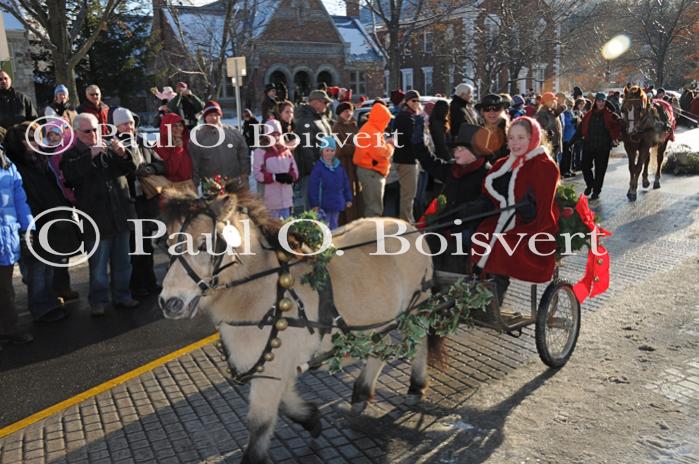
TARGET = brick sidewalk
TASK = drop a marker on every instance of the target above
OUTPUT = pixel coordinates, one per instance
(188, 411)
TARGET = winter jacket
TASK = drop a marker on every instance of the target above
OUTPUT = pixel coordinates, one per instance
(507, 183)
(178, 163)
(43, 193)
(461, 111)
(101, 113)
(329, 187)
(230, 158)
(461, 183)
(345, 132)
(187, 107)
(62, 110)
(309, 125)
(599, 129)
(438, 131)
(370, 153)
(15, 107)
(569, 125)
(15, 215)
(101, 188)
(268, 107)
(405, 125)
(268, 162)
(249, 131)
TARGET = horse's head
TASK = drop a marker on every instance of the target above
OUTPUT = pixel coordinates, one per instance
(206, 239)
(634, 107)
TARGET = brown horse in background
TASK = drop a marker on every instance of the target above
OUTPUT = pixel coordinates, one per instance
(645, 126)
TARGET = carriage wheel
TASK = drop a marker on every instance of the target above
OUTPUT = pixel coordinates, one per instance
(557, 324)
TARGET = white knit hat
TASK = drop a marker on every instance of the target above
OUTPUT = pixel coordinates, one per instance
(273, 126)
(121, 116)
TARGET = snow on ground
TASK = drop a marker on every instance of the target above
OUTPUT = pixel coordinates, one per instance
(689, 137)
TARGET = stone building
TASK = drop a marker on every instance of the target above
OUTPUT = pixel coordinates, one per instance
(294, 42)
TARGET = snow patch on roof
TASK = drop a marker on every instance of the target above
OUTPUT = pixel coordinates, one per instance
(362, 46)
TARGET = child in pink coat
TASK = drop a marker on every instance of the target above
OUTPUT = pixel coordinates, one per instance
(275, 167)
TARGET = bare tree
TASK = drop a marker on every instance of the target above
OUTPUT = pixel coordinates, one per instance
(665, 29)
(58, 24)
(397, 21)
(207, 38)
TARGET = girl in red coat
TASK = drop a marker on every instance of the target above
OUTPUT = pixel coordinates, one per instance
(528, 173)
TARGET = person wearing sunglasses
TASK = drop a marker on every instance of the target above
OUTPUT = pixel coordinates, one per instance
(491, 140)
(96, 107)
(96, 171)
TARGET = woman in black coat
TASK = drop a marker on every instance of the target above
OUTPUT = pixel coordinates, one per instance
(463, 179)
(439, 129)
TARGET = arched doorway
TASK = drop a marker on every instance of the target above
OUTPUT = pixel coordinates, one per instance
(278, 79)
(302, 85)
(325, 77)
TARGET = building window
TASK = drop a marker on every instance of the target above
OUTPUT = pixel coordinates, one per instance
(427, 42)
(358, 82)
(427, 72)
(407, 79)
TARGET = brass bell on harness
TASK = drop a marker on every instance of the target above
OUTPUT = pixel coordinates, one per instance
(269, 357)
(600, 261)
(282, 257)
(219, 347)
(281, 324)
(260, 369)
(285, 304)
(286, 280)
(596, 279)
(275, 343)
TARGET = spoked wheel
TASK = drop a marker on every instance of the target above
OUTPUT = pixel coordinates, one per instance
(557, 324)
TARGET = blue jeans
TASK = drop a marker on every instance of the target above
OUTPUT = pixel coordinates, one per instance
(333, 218)
(111, 252)
(39, 279)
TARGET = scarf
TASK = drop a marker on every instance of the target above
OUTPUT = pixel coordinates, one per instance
(332, 164)
(460, 170)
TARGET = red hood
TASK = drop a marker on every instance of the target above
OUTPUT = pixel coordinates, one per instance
(172, 118)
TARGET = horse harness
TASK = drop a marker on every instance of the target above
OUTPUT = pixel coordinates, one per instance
(329, 317)
(286, 297)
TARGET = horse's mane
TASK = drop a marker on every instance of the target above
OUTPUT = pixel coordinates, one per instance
(177, 205)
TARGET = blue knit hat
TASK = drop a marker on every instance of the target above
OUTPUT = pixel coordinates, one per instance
(600, 96)
(61, 88)
(328, 142)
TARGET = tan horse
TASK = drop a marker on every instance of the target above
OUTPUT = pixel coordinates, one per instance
(643, 130)
(366, 290)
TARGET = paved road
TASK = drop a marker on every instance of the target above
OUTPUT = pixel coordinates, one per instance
(188, 411)
(73, 355)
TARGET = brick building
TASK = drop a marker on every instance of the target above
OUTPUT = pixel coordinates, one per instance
(294, 42)
(463, 47)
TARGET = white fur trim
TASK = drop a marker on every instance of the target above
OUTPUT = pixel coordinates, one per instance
(503, 202)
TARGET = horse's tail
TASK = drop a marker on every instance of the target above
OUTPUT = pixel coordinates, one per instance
(436, 350)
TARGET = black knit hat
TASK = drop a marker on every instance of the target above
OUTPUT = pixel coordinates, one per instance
(269, 87)
(343, 107)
